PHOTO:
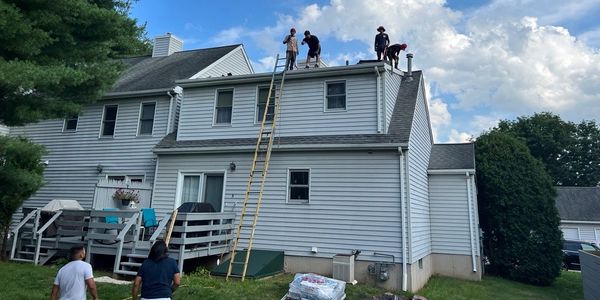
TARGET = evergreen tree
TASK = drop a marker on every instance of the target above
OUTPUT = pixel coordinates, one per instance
(57, 55)
(517, 214)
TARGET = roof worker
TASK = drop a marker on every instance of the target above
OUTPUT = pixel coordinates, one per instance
(314, 48)
(393, 52)
(292, 49)
(382, 40)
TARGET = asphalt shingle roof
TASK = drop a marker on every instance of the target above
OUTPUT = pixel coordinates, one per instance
(148, 73)
(578, 203)
(452, 157)
(398, 133)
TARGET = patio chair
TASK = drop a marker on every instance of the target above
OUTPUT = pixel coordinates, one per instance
(149, 222)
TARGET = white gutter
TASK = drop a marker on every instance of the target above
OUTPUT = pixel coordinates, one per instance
(378, 99)
(403, 220)
(152, 92)
(470, 203)
(581, 222)
(291, 147)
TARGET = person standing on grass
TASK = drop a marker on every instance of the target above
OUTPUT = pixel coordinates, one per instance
(73, 277)
(292, 49)
(159, 275)
(314, 48)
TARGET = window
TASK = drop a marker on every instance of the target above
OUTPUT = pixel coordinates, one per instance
(298, 185)
(263, 93)
(109, 120)
(126, 178)
(205, 188)
(336, 95)
(223, 107)
(586, 247)
(71, 123)
(146, 118)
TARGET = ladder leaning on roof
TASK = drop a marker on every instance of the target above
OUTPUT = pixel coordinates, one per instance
(260, 165)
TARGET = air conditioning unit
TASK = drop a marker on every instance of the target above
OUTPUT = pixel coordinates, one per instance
(343, 267)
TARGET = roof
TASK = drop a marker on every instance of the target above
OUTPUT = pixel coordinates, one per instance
(576, 203)
(452, 157)
(150, 73)
(398, 133)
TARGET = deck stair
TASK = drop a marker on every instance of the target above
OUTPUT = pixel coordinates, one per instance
(257, 177)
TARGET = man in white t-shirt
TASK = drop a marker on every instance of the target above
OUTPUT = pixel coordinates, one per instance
(72, 278)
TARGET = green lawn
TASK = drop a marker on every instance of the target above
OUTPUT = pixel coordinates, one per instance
(25, 281)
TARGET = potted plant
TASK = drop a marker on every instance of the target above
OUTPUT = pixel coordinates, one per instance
(128, 197)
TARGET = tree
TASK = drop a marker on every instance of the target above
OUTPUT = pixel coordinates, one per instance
(520, 223)
(57, 55)
(570, 152)
(21, 175)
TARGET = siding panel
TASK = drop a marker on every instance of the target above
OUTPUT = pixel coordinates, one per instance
(302, 110)
(235, 64)
(3, 130)
(449, 214)
(587, 232)
(418, 160)
(354, 200)
(74, 156)
(392, 86)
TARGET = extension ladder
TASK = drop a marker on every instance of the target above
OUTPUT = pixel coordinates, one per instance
(260, 165)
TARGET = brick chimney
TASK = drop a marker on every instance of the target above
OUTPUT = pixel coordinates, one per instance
(166, 45)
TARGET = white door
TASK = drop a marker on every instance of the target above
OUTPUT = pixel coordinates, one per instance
(570, 233)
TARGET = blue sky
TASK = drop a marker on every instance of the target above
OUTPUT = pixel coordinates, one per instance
(483, 60)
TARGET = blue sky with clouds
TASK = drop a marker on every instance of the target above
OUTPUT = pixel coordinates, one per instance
(483, 60)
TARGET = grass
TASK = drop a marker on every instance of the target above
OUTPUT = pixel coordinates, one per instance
(567, 286)
(25, 281)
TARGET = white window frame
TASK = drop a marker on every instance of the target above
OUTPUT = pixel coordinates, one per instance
(65, 125)
(139, 126)
(100, 134)
(127, 177)
(287, 189)
(215, 124)
(256, 121)
(202, 174)
(325, 100)
(576, 228)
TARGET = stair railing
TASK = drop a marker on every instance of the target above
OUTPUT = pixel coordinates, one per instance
(39, 234)
(15, 231)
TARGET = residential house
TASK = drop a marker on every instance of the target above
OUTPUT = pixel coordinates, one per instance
(109, 144)
(354, 167)
(579, 210)
(4, 130)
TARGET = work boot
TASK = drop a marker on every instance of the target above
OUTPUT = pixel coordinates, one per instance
(316, 65)
(306, 67)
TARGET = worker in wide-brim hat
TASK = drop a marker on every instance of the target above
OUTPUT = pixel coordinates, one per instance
(382, 40)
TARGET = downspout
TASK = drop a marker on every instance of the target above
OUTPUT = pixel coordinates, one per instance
(470, 203)
(378, 99)
(171, 96)
(402, 220)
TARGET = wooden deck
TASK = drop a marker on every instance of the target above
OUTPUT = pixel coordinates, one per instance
(120, 233)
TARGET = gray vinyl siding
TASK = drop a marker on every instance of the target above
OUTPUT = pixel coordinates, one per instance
(449, 214)
(74, 156)
(234, 63)
(354, 200)
(587, 232)
(4, 130)
(419, 149)
(302, 110)
(392, 85)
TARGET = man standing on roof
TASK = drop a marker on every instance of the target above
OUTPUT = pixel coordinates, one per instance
(314, 48)
(381, 42)
(393, 52)
(292, 49)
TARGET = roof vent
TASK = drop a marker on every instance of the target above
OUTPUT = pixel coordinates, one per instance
(166, 45)
(409, 58)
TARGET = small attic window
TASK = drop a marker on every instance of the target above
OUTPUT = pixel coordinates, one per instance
(335, 97)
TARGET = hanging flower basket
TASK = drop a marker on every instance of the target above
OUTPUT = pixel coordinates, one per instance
(127, 197)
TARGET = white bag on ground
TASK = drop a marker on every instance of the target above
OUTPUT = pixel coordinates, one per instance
(316, 287)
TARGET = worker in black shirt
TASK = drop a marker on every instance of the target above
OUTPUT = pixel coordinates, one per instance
(314, 48)
(381, 42)
(393, 53)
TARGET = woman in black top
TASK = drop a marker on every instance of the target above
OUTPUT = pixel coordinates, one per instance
(159, 275)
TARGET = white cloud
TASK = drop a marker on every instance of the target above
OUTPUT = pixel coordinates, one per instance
(440, 117)
(459, 137)
(228, 36)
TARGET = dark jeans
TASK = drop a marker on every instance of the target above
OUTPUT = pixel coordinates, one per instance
(380, 53)
(290, 60)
